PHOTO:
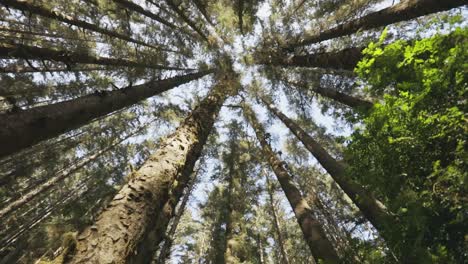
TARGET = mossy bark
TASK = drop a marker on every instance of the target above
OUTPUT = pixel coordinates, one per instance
(319, 244)
(405, 10)
(131, 216)
(23, 129)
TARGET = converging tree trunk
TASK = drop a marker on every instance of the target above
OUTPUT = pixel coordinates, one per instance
(174, 6)
(28, 6)
(18, 51)
(276, 223)
(23, 129)
(405, 10)
(351, 101)
(371, 208)
(345, 59)
(165, 251)
(132, 214)
(321, 247)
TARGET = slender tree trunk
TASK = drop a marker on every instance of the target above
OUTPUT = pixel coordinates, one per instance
(62, 175)
(276, 223)
(23, 129)
(260, 249)
(313, 232)
(27, 6)
(351, 101)
(131, 215)
(229, 254)
(19, 51)
(23, 69)
(345, 59)
(138, 9)
(186, 19)
(240, 15)
(405, 10)
(201, 6)
(372, 208)
(165, 251)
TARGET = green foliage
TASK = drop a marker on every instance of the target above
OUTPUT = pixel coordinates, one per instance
(412, 151)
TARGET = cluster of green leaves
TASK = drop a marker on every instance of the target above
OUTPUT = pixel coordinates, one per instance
(412, 151)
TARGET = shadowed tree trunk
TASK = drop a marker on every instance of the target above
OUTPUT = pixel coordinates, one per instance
(345, 59)
(27, 6)
(136, 8)
(186, 19)
(18, 51)
(62, 175)
(23, 69)
(276, 222)
(165, 251)
(240, 15)
(351, 101)
(371, 208)
(321, 247)
(405, 10)
(132, 214)
(23, 129)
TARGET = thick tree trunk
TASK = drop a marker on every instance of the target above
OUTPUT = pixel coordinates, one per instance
(27, 6)
(405, 10)
(351, 101)
(132, 214)
(276, 223)
(186, 19)
(346, 59)
(371, 208)
(62, 175)
(19, 51)
(165, 251)
(23, 129)
(313, 232)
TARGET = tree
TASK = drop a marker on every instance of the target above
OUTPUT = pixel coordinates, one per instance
(136, 204)
(36, 124)
(313, 233)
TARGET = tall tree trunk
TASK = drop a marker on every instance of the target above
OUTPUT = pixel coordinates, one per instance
(27, 6)
(23, 69)
(371, 208)
(19, 51)
(62, 175)
(276, 223)
(186, 19)
(313, 232)
(165, 251)
(405, 10)
(201, 6)
(240, 15)
(345, 59)
(23, 129)
(351, 101)
(138, 9)
(131, 215)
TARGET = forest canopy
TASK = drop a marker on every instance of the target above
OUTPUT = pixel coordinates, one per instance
(246, 131)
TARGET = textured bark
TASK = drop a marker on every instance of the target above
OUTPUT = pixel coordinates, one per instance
(23, 129)
(405, 10)
(131, 215)
(62, 175)
(186, 19)
(351, 101)
(313, 232)
(165, 251)
(18, 51)
(276, 223)
(371, 208)
(27, 6)
(345, 59)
